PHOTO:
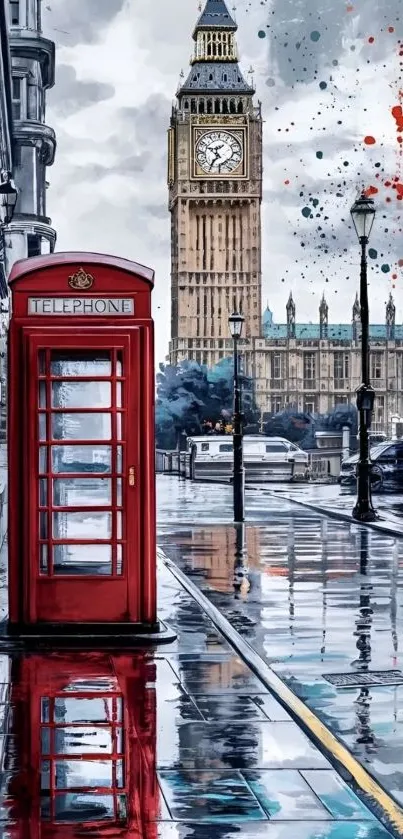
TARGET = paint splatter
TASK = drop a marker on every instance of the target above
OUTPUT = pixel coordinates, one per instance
(315, 35)
(372, 253)
(319, 155)
(385, 268)
(369, 140)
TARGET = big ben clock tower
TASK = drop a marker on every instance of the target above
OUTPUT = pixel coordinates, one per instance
(215, 192)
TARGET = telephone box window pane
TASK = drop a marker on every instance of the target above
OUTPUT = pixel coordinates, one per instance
(119, 459)
(83, 740)
(45, 740)
(45, 775)
(42, 362)
(119, 365)
(84, 807)
(81, 426)
(119, 774)
(83, 560)
(119, 561)
(43, 492)
(118, 394)
(42, 426)
(80, 364)
(43, 525)
(81, 394)
(45, 709)
(79, 774)
(119, 525)
(90, 459)
(84, 525)
(82, 492)
(119, 426)
(87, 710)
(44, 559)
(42, 394)
(43, 468)
(119, 492)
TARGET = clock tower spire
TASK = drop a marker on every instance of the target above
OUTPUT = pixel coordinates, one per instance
(215, 190)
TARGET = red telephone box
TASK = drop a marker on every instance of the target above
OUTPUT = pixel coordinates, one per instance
(82, 544)
(83, 748)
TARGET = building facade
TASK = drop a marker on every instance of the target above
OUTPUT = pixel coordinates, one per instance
(316, 366)
(215, 192)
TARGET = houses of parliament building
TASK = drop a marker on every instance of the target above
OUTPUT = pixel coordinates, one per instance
(215, 193)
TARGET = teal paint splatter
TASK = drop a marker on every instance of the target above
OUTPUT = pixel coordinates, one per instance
(315, 35)
(319, 155)
(306, 212)
(261, 33)
(385, 268)
(323, 85)
(372, 253)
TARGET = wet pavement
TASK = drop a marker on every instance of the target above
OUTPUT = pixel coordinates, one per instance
(337, 499)
(184, 741)
(314, 597)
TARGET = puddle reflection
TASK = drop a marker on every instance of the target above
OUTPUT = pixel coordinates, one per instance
(80, 754)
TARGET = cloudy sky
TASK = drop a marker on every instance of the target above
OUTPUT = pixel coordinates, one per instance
(327, 73)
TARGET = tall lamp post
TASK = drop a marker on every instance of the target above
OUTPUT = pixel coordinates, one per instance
(236, 322)
(363, 215)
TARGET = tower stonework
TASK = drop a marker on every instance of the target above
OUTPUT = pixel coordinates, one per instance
(215, 193)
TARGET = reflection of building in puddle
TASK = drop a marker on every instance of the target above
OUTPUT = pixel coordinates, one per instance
(85, 732)
(214, 549)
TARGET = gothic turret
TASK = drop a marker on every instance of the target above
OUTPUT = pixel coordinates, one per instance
(323, 317)
(390, 318)
(290, 317)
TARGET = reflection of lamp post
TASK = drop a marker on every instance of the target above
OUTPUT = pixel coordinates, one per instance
(363, 215)
(365, 735)
(9, 195)
(241, 581)
(236, 322)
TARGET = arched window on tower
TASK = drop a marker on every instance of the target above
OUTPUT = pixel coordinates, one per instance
(232, 108)
(193, 106)
(209, 106)
(201, 106)
(240, 107)
(217, 109)
(186, 104)
(225, 106)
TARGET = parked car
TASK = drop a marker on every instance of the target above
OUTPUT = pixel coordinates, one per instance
(386, 466)
(265, 458)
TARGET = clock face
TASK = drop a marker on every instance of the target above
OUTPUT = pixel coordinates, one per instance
(218, 152)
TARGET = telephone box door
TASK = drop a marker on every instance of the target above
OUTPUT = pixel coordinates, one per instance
(82, 460)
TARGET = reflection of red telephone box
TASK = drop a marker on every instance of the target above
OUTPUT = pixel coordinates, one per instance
(85, 734)
(82, 550)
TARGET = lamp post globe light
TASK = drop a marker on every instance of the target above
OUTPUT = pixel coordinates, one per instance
(8, 195)
(236, 322)
(363, 216)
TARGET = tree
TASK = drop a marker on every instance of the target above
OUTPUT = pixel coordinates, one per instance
(188, 394)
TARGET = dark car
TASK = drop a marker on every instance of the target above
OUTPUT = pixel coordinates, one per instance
(386, 466)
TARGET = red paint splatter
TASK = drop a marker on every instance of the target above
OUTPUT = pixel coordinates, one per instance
(391, 28)
(394, 276)
(286, 183)
(371, 190)
(397, 114)
(400, 263)
(371, 39)
(399, 189)
(369, 140)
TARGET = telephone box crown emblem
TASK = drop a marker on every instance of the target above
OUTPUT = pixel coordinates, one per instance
(81, 280)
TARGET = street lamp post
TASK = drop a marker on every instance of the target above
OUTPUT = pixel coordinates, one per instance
(236, 322)
(363, 215)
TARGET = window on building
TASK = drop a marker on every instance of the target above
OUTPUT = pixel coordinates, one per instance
(17, 97)
(341, 365)
(379, 409)
(309, 406)
(276, 406)
(34, 245)
(309, 366)
(15, 12)
(276, 366)
(376, 365)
